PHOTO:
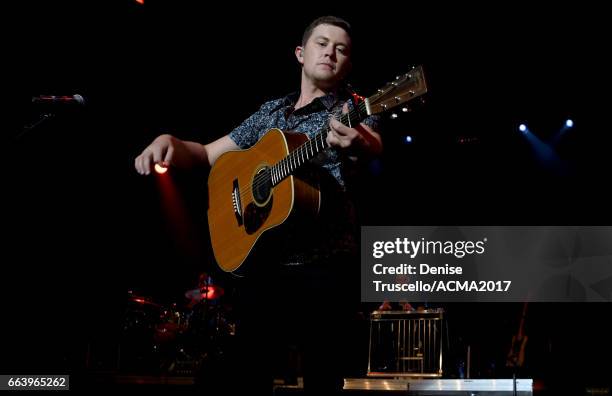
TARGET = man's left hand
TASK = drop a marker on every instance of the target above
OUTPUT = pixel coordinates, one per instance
(359, 138)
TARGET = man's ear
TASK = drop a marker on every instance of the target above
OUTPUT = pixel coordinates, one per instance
(299, 54)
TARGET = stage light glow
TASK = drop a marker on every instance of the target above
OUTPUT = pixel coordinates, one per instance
(160, 169)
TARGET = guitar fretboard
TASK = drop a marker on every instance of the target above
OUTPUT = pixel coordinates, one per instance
(312, 147)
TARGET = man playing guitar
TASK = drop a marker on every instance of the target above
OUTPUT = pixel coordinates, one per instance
(313, 264)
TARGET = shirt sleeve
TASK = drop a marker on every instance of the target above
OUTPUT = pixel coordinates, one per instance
(373, 122)
(246, 134)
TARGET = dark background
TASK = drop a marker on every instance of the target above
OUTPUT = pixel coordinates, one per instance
(81, 227)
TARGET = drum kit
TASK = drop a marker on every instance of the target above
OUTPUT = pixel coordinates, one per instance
(176, 338)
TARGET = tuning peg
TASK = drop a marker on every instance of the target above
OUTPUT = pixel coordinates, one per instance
(405, 109)
(394, 116)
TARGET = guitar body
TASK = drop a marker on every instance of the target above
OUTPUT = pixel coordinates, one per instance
(241, 206)
(516, 355)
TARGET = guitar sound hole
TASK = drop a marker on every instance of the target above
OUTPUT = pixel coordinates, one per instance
(262, 186)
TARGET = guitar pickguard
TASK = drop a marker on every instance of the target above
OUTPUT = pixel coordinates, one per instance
(255, 216)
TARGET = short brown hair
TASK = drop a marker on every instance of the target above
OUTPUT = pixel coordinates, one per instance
(327, 20)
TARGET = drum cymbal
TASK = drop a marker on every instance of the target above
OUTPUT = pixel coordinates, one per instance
(210, 292)
(143, 301)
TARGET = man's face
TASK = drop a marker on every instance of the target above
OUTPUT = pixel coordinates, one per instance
(326, 55)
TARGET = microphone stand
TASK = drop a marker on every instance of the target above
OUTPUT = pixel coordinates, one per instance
(27, 128)
(45, 113)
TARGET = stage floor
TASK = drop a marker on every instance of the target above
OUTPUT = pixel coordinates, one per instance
(524, 386)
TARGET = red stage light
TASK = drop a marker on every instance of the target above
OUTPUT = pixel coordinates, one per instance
(160, 169)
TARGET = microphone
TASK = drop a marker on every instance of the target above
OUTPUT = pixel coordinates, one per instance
(53, 99)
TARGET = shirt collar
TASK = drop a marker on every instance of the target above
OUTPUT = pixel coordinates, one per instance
(328, 101)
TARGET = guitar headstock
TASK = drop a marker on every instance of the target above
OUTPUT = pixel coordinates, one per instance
(403, 89)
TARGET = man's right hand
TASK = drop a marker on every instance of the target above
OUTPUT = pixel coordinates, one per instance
(167, 150)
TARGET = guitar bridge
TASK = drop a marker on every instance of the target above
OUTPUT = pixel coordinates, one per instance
(237, 203)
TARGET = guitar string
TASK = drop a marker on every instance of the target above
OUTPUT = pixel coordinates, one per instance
(261, 179)
(304, 147)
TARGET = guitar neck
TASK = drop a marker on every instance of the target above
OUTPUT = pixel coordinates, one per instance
(312, 147)
(403, 89)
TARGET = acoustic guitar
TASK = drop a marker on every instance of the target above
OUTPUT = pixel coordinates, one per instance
(255, 190)
(516, 354)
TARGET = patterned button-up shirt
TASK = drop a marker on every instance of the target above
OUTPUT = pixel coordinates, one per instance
(336, 230)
